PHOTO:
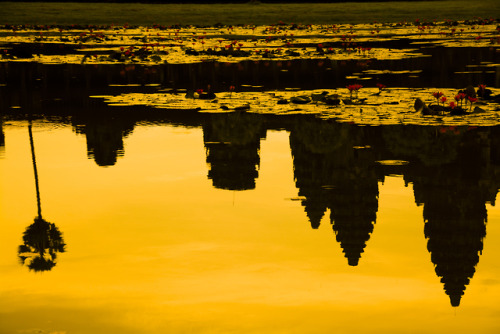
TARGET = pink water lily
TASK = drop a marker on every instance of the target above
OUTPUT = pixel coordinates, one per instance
(355, 88)
(471, 100)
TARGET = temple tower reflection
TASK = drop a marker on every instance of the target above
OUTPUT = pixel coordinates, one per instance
(232, 143)
(104, 133)
(453, 178)
(333, 169)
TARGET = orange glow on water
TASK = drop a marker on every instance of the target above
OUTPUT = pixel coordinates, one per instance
(153, 247)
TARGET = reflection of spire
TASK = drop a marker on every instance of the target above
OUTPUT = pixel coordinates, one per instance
(313, 144)
(333, 170)
(354, 206)
(309, 179)
(232, 142)
(314, 207)
(455, 225)
(41, 236)
(455, 228)
(453, 191)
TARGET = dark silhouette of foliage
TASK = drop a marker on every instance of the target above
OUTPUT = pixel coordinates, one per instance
(41, 243)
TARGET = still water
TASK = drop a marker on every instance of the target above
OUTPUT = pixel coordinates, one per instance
(240, 223)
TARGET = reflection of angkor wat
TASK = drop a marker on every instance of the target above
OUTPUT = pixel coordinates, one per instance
(453, 174)
(232, 142)
(334, 169)
(104, 136)
(41, 240)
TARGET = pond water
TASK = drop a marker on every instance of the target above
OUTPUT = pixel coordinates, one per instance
(236, 223)
(127, 207)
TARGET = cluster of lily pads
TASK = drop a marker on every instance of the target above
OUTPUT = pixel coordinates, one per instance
(176, 43)
(459, 106)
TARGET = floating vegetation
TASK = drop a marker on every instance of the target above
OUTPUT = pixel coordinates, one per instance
(370, 107)
(276, 69)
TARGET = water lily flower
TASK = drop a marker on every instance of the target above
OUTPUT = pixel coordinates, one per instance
(471, 100)
(355, 88)
(380, 86)
(460, 97)
(437, 95)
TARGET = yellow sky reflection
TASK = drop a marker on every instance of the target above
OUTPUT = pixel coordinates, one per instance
(152, 247)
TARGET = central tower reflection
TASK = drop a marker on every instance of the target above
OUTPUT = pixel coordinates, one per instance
(333, 169)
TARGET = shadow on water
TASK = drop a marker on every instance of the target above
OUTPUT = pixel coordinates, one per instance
(42, 240)
(454, 170)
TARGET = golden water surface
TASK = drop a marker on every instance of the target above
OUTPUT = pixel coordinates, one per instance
(152, 246)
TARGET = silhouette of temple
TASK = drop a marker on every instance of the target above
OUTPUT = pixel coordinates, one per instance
(232, 143)
(334, 169)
